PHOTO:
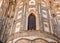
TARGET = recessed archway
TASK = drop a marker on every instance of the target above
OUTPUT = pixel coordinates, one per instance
(34, 13)
(31, 22)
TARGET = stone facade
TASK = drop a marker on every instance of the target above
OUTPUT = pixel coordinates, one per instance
(14, 17)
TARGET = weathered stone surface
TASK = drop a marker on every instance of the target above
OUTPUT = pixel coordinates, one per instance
(14, 16)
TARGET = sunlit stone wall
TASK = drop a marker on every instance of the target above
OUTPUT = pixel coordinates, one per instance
(15, 15)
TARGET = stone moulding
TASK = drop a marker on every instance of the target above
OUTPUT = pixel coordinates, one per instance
(34, 34)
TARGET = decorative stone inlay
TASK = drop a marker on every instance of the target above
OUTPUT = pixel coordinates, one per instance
(32, 2)
(30, 34)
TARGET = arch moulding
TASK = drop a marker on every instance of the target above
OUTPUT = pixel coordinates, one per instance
(37, 19)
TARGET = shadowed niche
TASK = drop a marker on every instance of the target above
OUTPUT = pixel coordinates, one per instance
(1, 41)
(31, 22)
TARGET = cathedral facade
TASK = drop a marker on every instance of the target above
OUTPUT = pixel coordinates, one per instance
(30, 21)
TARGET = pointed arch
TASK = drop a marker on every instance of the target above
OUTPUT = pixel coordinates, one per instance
(31, 22)
(37, 19)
